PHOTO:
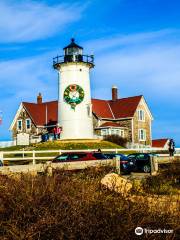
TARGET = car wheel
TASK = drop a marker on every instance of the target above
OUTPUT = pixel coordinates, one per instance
(146, 169)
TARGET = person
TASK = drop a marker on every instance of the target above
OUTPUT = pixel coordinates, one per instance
(55, 133)
(171, 147)
(58, 131)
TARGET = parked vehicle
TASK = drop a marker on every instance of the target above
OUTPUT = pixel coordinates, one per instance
(126, 164)
(141, 161)
(79, 156)
(1, 163)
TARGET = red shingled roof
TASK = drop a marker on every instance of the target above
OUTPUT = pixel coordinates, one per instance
(110, 124)
(159, 142)
(38, 112)
(101, 108)
(122, 108)
(125, 107)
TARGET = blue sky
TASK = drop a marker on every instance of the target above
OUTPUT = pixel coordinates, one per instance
(136, 46)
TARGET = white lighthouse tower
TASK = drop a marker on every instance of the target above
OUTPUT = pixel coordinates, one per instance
(74, 100)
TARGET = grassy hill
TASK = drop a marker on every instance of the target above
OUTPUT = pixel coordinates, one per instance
(67, 145)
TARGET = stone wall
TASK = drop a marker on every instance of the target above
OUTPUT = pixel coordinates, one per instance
(126, 123)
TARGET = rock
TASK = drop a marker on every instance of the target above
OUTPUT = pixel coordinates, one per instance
(116, 183)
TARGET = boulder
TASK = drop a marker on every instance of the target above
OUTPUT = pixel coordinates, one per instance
(116, 183)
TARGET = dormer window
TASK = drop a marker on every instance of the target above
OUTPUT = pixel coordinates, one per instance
(141, 115)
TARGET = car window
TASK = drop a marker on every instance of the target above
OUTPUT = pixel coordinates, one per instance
(110, 155)
(76, 156)
(99, 156)
(132, 156)
(142, 157)
(62, 157)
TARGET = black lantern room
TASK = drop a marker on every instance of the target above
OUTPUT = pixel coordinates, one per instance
(73, 53)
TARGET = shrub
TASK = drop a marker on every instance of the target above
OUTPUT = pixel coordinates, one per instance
(166, 182)
(116, 139)
(72, 205)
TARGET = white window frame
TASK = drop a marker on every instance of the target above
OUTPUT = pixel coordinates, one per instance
(117, 131)
(141, 115)
(20, 120)
(112, 131)
(28, 119)
(121, 133)
(142, 134)
(105, 132)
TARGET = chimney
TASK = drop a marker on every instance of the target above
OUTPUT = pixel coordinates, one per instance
(114, 93)
(39, 99)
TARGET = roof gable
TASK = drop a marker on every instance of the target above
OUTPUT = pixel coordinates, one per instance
(121, 108)
(160, 142)
(101, 108)
(44, 113)
(125, 107)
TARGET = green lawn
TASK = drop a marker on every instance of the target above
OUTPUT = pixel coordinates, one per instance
(66, 145)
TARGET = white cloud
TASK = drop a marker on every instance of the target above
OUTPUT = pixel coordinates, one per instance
(148, 67)
(22, 80)
(116, 41)
(29, 20)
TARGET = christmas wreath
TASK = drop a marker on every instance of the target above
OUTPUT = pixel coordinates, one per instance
(73, 95)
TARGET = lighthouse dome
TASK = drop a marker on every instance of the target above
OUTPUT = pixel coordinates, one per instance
(73, 48)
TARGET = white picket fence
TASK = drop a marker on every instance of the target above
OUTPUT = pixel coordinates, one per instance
(33, 156)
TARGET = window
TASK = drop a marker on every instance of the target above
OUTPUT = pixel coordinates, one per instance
(28, 123)
(113, 131)
(141, 115)
(99, 156)
(122, 133)
(62, 157)
(142, 135)
(117, 131)
(103, 132)
(77, 156)
(19, 125)
(142, 157)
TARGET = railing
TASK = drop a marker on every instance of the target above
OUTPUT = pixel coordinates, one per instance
(73, 58)
(37, 156)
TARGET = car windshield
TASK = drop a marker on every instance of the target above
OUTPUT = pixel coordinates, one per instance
(131, 156)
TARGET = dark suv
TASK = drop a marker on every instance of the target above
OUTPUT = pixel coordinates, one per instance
(1, 163)
(126, 165)
(79, 156)
(141, 161)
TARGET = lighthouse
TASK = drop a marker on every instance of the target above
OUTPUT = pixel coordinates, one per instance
(74, 93)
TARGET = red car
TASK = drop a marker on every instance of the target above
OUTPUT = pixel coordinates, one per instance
(79, 156)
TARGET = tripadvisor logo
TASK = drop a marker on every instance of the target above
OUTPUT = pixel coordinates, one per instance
(139, 231)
